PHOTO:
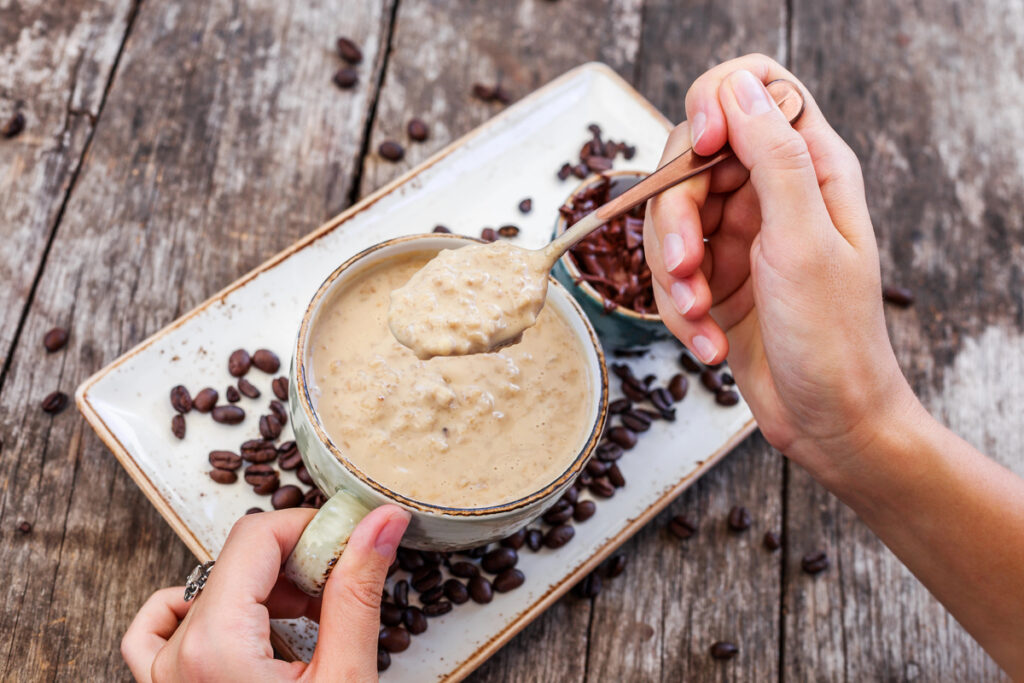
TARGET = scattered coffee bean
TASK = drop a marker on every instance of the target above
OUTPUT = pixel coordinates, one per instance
(648, 380)
(258, 451)
(288, 456)
(205, 400)
(223, 476)
(772, 541)
(584, 510)
(615, 476)
(232, 395)
(620, 405)
(681, 527)
(724, 650)
(728, 379)
(480, 590)
(55, 339)
(225, 460)
(564, 172)
(278, 410)
(268, 486)
(346, 77)
(415, 621)
(711, 380)
(410, 560)
(391, 150)
(280, 388)
(383, 660)
(181, 400)
(689, 363)
(662, 399)
(253, 510)
(178, 425)
(515, 541)
(465, 570)
(418, 130)
(602, 488)
(440, 229)
(571, 495)
(498, 560)
(677, 386)
(289, 496)
(431, 557)
(390, 613)
(637, 421)
(349, 51)
(393, 639)
(508, 231)
(483, 92)
(502, 95)
(526, 206)
(14, 125)
(425, 578)
(239, 362)
(634, 390)
(534, 539)
(595, 468)
(266, 360)
(898, 296)
(739, 518)
(557, 536)
(488, 235)
(815, 563)
(589, 587)
(615, 566)
(580, 171)
(247, 388)
(609, 451)
(559, 513)
(55, 402)
(230, 415)
(429, 597)
(437, 609)
(303, 474)
(270, 427)
(313, 498)
(626, 438)
(727, 397)
(401, 593)
(259, 474)
(456, 591)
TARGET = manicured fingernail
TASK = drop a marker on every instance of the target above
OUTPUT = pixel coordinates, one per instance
(682, 296)
(705, 349)
(390, 534)
(750, 93)
(673, 250)
(698, 126)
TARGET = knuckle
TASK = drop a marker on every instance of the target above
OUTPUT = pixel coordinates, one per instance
(363, 591)
(193, 653)
(788, 152)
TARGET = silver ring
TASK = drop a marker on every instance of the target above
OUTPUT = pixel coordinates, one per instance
(197, 580)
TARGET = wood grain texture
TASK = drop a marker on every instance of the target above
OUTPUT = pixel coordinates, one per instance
(222, 141)
(930, 96)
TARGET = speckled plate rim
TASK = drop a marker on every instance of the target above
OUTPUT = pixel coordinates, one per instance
(487, 649)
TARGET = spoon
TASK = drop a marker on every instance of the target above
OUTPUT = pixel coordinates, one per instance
(482, 297)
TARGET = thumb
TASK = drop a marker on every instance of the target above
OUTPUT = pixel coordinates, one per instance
(350, 614)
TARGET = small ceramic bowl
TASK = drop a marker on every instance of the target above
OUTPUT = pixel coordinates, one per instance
(622, 328)
(353, 494)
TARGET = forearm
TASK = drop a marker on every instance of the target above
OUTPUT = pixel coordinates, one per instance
(954, 517)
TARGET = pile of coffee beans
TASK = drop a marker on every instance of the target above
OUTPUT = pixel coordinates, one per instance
(713, 378)
(596, 155)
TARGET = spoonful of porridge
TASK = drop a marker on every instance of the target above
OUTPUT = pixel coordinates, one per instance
(484, 296)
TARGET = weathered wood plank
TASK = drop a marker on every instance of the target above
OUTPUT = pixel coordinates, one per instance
(222, 140)
(55, 61)
(930, 95)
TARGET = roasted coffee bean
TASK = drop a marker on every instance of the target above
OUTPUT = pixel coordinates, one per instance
(584, 510)
(13, 125)
(253, 510)
(724, 650)
(393, 639)
(615, 476)
(898, 296)
(349, 51)
(619, 405)
(232, 395)
(622, 371)
(270, 427)
(383, 660)
(345, 77)
(681, 527)
(596, 468)
(557, 536)
(689, 363)
(515, 541)
(602, 488)
(571, 495)
(728, 379)
(248, 388)
(55, 339)
(465, 570)
(314, 498)
(205, 400)
(425, 578)
(501, 95)
(648, 380)
(584, 479)
(498, 560)
(589, 587)
(225, 460)
(418, 130)
(223, 476)
(480, 590)
(624, 437)
(280, 388)
(278, 410)
(534, 539)
(711, 380)
(266, 360)
(303, 474)
(615, 566)
(415, 620)
(440, 229)
(508, 231)
(456, 591)
(258, 451)
(230, 415)
(410, 560)
(437, 609)
(662, 399)
(727, 397)
(178, 425)
(509, 580)
(401, 593)
(288, 456)
(637, 421)
(772, 541)
(259, 473)
(431, 557)
(580, 171)
(564, 172)
(814, 563)
(526, 205)
(739, 518)
(288, 496)
(609, 451)
(488, 235)
(677, 387)
(428, 597)
(634, 390)
(391, 150)
(55, 402)
(239, 362)
(267, 487)
(483, 92)
(390, 614)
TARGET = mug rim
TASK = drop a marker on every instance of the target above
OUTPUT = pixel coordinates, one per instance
(574, 468)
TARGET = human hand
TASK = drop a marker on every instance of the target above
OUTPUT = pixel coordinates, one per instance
(224, 634)
(788, 282)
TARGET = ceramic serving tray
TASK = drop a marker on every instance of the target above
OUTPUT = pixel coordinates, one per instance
(475, 182)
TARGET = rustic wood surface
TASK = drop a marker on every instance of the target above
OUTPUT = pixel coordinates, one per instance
(171, 147)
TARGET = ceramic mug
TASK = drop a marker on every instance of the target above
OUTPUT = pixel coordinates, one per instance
(352, 494)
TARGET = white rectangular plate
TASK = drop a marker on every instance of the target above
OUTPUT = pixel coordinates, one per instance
(475, 182)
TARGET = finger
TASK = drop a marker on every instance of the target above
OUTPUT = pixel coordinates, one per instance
(350, 614)
(149, 631)
(729, 246)
(727, 176)
(703, 336)
(690, 294)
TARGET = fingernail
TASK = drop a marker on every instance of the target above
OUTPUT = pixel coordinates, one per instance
(750, 93)
(673, 250)
(390, 535)
(683, 297)
(705, 349)
(698, 125)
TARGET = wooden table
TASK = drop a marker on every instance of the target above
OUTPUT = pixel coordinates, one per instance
(172, 146)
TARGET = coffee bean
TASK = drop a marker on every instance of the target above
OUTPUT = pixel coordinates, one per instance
(584, 479)
(303, 474)
(349, 51)
(619, 405)
(280, 388)
(559, 513)
(558, 536)
(488, 235)
(526, 205)
(515, 541)
(289, 496)
(681, 527)
(624, 437)
(711, 381)
(440, 229)
(634, 390)
(480, 590)
(239, 362)
(225, 460)
(205, 400)
(662, 399)
(346, 77)
(228, 414)
(55, 402)
(248, 388)
(898, 296)
(724, 650)
(278, 410)
(677, 386)
(428, 597)
(727, 397)
(266, 360)
(391, 150)
(580, 171)
(232, 395)
(509, 580)
(564, 172)
(815, 563)
(270, 427)
(456, 591)
(390, 614)
(253, 510)
(728, 379)
(609, 451)
(508, 231)
(223, 476)
(615, 476)
(259, 474)
(267, 486)
(498, 560)
(501, 95)
(483, 92)
(431, 557)
(589, 587)
(415, 621)
(288, 456)
(55, 339)
(178, 425)
(584, 510)
(393, 639)
(383, 660)
(401, 593)
(571, 495)
(258, 451)
(14, 125)
(437, 609)
(425, 578)
(637, 421)
(418, 130)
(615, 566)
(602, 488)
(689, 363)
(595, 468)
(772, 541)
(534, 539)
(648, 380)
(739, 518)
(314, 498)
(465, 570)
(410, 560)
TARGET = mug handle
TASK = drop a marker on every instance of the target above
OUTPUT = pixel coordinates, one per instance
(323, 541)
